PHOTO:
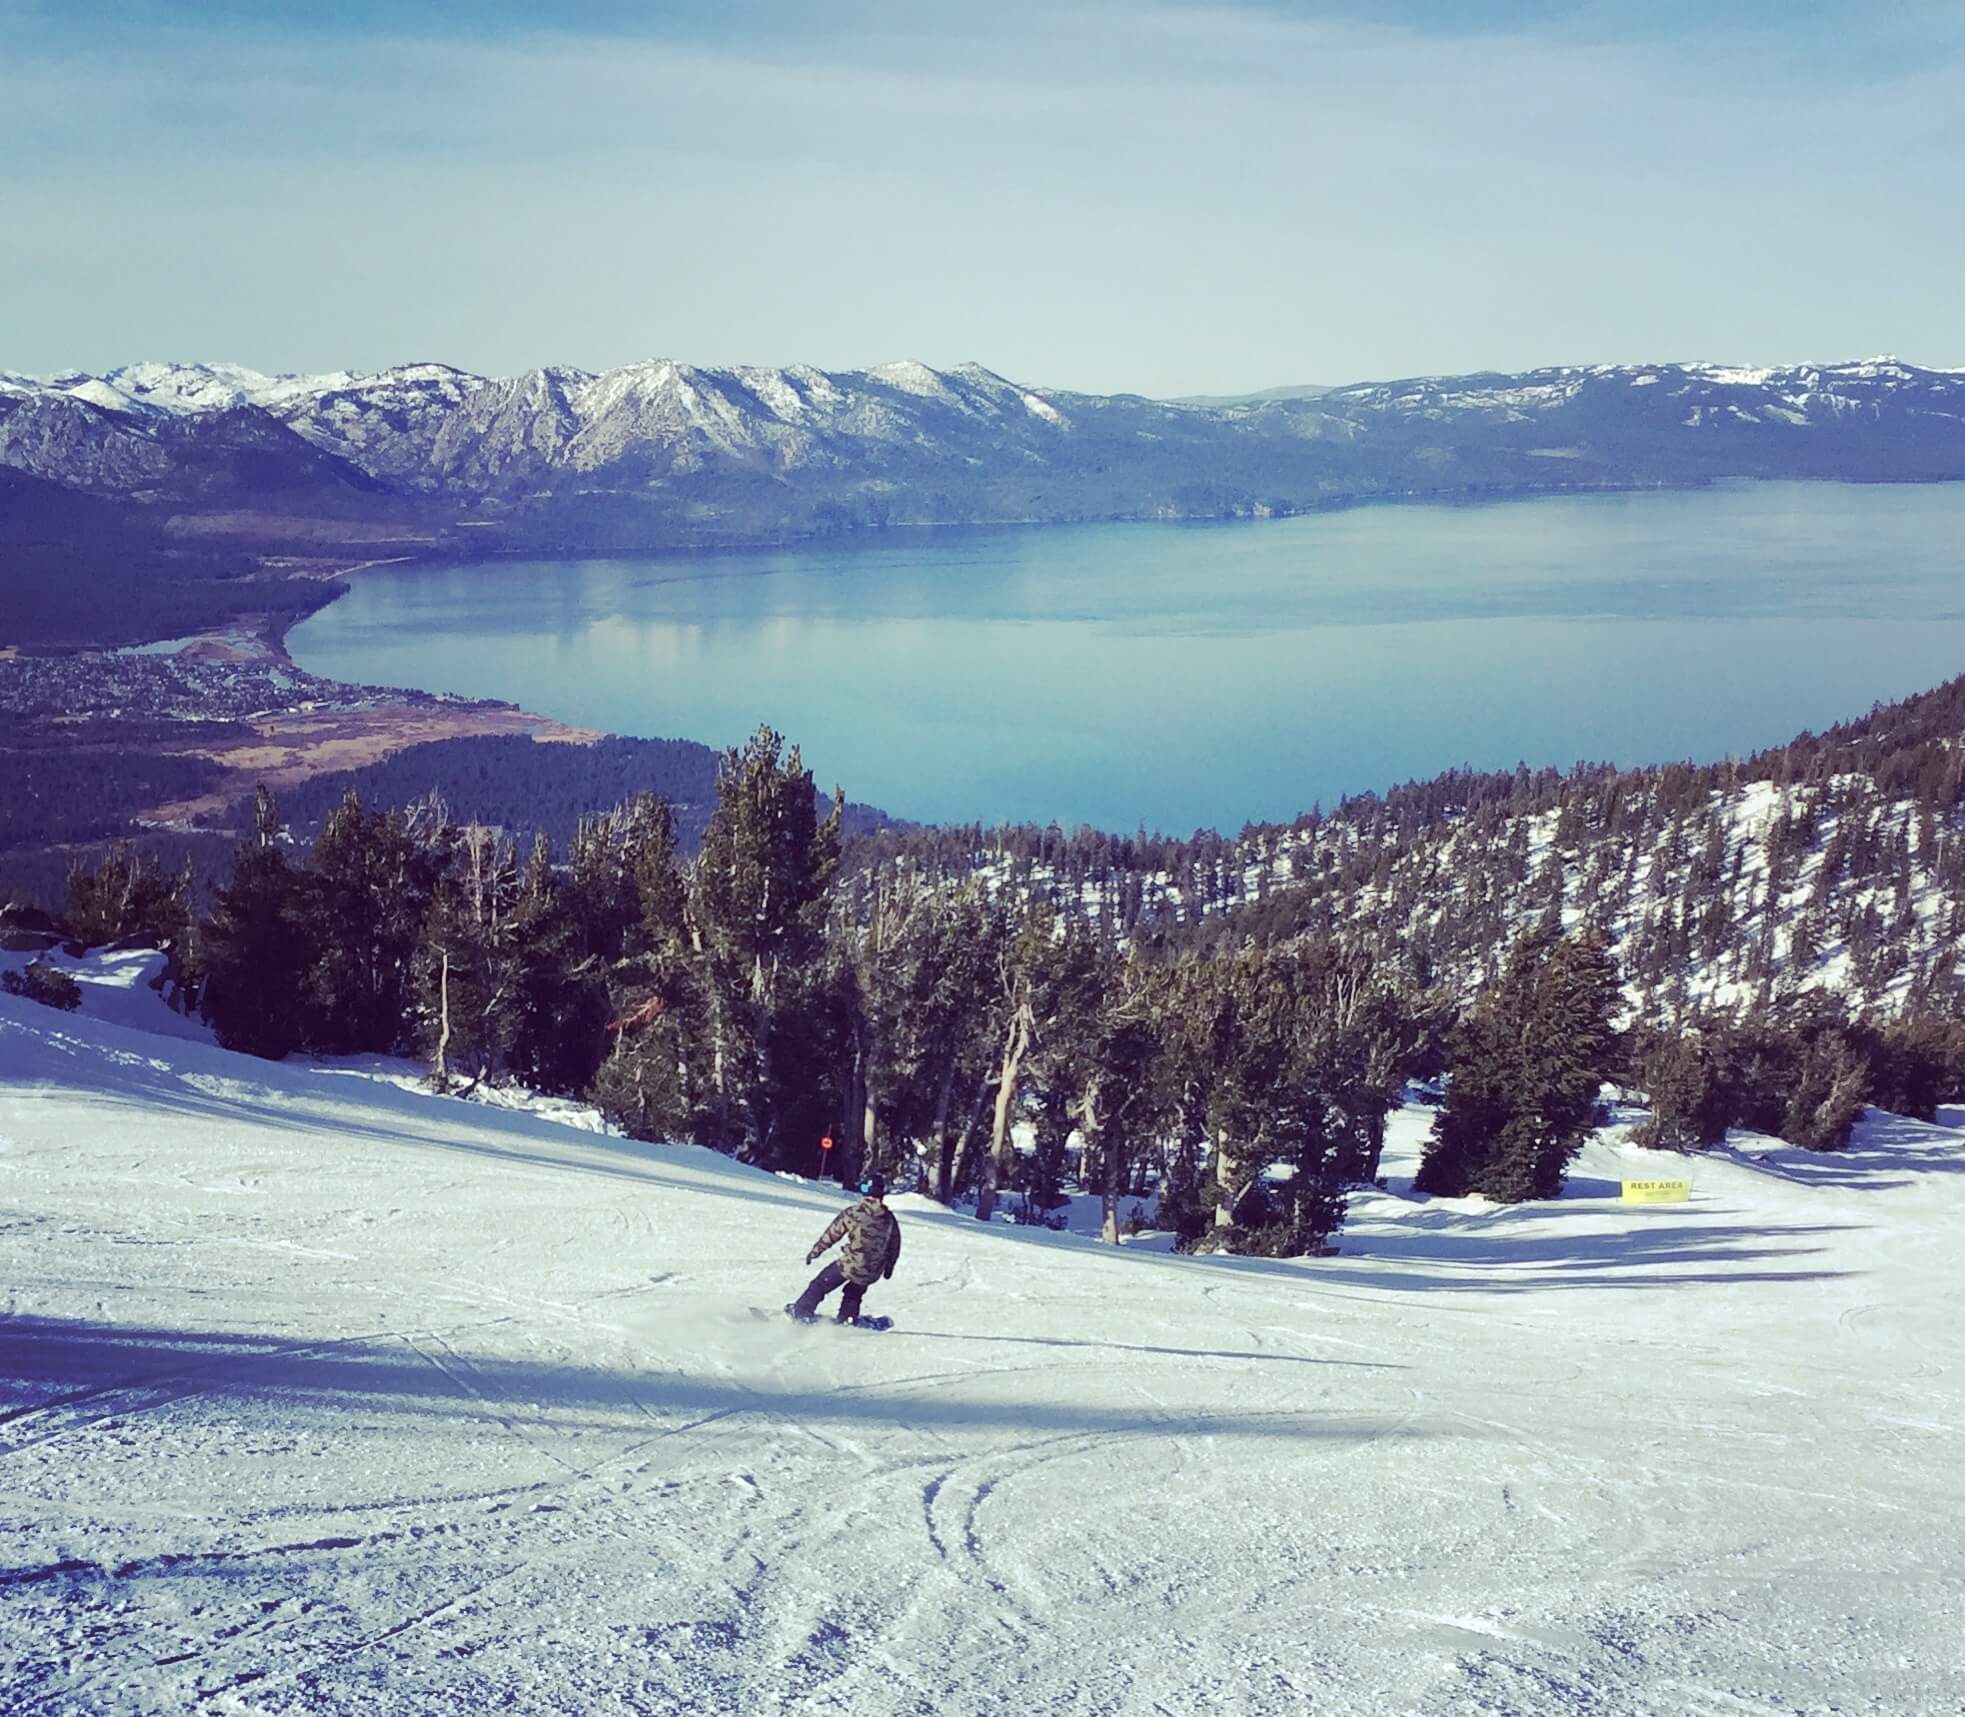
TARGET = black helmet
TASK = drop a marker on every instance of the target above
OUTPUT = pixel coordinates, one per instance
(874, 1186)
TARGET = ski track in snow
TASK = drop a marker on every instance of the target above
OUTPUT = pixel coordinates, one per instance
(318, 1394)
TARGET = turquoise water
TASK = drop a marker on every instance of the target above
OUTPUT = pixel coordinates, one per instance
(1188, 676)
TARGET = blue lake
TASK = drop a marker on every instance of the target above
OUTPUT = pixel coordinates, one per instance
(1184, 676)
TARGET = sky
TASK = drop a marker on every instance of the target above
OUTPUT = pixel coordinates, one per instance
(1162, 199)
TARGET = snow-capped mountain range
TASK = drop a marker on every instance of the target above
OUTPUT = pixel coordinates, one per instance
(428, 427)
(801, 447)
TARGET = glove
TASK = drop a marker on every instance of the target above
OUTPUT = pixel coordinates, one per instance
(887, 1275)
(812, 1257)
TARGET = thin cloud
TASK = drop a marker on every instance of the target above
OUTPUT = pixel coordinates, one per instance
(1165, 199)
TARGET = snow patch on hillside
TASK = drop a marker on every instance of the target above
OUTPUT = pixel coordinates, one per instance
(911, 376)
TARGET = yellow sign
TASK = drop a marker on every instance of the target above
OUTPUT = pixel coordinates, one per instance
(1657, 1191)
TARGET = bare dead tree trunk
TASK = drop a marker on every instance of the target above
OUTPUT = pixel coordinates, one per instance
(869, 1123)
(849, 1087)
(1224, 1180)
(1111, 1165)
(938, 1129)
(996, 1166)
(854, 1120)
(440, 1073)
(959, 1157)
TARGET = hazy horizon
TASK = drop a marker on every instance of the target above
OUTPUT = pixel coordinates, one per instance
(1159, 199)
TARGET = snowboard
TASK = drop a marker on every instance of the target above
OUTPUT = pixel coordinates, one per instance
(872, 1323)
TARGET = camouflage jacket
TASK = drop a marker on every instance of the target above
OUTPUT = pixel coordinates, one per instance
(873, 1241)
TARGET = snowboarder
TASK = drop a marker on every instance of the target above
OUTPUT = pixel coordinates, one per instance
(872, 1247)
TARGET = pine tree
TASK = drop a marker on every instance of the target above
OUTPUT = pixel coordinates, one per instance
(1049, 1162)
(1117, 1072)
(1830, 1082)
(634, 913)
(1523, 1085)
(1915, 1063)
(1286, 1060)
(916, 973)
(758, 895)
(1682, 1078)
(370, 885)
(127, 897)
(472, 964)
(259, 946)
(560, 1036)
(1025, 959)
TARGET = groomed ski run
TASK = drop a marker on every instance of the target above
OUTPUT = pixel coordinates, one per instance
(320, 1394)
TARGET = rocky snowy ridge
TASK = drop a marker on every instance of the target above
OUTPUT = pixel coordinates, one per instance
(967, 442)
(428, 426)
(1797, 394)
(1709, 910)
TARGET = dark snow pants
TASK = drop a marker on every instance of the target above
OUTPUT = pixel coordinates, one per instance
(822, 1284)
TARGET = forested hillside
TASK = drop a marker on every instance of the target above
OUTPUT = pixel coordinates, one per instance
(85, 570)
(1219, 1026)
(517, 784)
(1835, 861)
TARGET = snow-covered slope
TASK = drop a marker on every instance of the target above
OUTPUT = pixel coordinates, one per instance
(1726, 896)
(1795, 394)
(430, 426)
(317, 1394)
(966, 442)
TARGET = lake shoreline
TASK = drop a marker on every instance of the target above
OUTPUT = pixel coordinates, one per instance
(1490, 564)
(873, 535)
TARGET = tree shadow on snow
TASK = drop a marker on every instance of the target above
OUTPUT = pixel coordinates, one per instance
(914, 1334)
(1489, 1257)
(59, 1377)
(1886, 1152)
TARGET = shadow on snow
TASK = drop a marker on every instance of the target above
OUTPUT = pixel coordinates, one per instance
(1169, 1352)
(1487, 1254)
(58, 1377)
(1885, 1153)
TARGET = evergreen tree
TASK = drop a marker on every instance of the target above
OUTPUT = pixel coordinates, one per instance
(1830, 1083)
(630, 904)
(1183, 1205)
(40, 982)
(127, 897)
(560, 1036)
(1114, 1071)
(916, 978)
(1684, 1083)
(472, 964)
(1523, 1085)
(369, 889)
(1033, 981)
(1050, 1159)
(259, 946)
(1915, 1064)
(1287, 1061)
(758, 895)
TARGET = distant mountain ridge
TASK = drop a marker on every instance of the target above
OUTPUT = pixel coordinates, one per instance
(667, 451)
(1300, 390)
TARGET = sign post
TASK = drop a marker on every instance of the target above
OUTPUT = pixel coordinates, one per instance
(825, 1145)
